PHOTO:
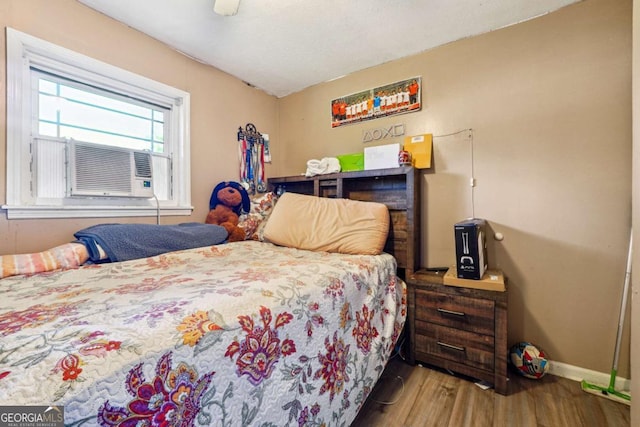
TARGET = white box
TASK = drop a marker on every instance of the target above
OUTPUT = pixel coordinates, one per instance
(381, 156)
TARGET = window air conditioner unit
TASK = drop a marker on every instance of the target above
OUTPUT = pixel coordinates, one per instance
(105, 171)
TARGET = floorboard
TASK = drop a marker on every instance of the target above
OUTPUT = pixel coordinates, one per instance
(416, 396)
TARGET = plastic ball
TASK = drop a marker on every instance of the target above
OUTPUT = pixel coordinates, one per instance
(528, 360)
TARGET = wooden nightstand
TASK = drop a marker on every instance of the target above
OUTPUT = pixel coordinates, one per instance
(460, 329)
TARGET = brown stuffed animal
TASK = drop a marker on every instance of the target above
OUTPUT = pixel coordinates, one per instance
(228, 200)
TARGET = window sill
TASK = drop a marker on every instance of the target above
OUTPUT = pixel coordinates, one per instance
(36, 212)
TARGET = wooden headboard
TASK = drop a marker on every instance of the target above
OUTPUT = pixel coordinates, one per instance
(397, 188)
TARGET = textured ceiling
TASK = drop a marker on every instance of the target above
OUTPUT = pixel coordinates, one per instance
(284, 46)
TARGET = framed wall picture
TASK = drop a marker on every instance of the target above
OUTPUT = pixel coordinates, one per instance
(383, 101)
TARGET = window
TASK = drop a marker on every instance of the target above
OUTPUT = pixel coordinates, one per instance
(56, 98)
(69, 109)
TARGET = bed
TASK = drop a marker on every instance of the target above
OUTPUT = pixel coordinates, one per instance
(244, 333)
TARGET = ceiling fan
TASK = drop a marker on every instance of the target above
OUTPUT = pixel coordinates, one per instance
(226, 7)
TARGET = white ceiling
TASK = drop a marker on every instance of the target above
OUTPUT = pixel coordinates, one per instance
(284, 46)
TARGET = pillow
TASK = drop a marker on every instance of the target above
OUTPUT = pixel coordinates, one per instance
(330, 225)
(254, 221)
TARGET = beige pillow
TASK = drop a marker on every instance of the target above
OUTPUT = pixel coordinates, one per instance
(330, 225)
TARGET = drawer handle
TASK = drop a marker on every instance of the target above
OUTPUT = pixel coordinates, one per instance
(450, 346)
(451, 312)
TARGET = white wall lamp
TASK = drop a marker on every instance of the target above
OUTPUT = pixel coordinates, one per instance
(226, 7)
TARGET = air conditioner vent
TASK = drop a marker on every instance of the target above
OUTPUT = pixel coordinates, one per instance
(143, 164)
(104, 171)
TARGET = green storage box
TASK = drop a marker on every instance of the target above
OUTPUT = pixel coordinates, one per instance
(351, 162)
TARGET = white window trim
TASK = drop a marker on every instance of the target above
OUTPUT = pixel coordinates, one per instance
(23, 51)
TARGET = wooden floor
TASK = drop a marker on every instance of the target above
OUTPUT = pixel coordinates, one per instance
(418, 396)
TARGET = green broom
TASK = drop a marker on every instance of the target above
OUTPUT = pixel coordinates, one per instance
(610, 392)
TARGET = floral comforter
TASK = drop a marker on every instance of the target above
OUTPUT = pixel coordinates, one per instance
(241, 334)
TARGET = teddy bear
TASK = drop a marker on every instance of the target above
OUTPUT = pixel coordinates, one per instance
(228, 200)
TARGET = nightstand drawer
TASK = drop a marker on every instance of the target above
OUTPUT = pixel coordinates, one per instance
(469, 314)
(464, 347)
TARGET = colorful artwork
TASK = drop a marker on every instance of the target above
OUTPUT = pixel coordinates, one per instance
(395, 98)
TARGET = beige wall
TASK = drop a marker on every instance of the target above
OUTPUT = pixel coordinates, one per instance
(635, 279)
(219, 104)
(549, 102)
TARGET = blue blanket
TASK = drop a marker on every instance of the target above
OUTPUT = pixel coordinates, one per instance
(123, 242)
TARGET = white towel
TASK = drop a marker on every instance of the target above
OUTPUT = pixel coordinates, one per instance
(322, 167)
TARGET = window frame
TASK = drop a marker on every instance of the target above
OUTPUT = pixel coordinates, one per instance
(25, 51)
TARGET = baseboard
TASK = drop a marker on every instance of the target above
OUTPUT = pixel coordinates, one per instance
(577, 373)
